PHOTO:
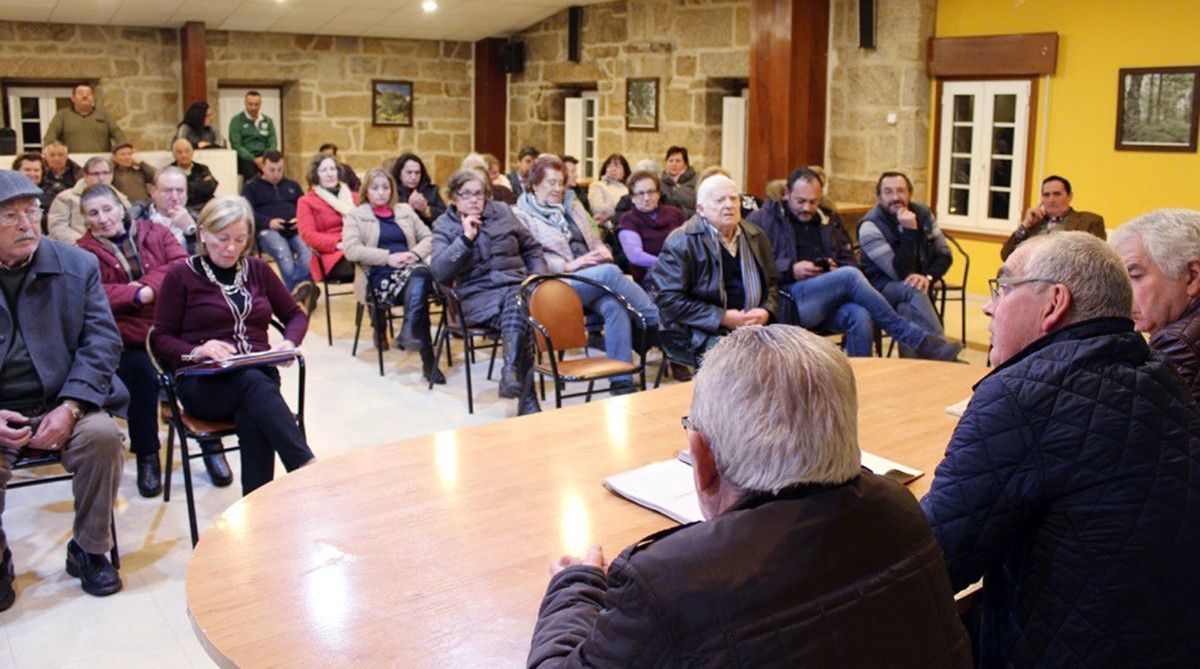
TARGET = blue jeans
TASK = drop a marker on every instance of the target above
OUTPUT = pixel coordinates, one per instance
(843, 300)
(290, 253)
(618, 331)
(912, 305)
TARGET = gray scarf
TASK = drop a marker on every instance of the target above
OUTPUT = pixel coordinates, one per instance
(751, 280)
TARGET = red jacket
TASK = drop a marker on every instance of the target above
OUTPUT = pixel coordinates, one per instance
(321, 228)
(158, 250)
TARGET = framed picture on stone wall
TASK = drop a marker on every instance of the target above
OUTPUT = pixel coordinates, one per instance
(391, 102)
(1157, 109)
(641, 104)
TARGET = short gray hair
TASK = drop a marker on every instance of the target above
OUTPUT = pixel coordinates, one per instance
(168, 170)
(96, 160)
(1089, 268)
(779, 407)
(1171, 238)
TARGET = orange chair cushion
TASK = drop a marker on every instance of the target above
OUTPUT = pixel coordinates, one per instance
(195, 425)
(586, 369)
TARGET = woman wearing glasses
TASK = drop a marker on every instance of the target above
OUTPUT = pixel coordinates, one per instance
(643, 229)
(481, 248)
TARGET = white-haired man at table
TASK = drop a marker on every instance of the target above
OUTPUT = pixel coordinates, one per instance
(805, 559)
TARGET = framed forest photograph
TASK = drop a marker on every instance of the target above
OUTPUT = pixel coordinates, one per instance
(391, 102)
(1157, 110)
(641, 104)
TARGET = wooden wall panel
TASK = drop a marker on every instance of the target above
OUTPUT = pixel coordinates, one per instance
(194, 59)
(491, 99)
(1024, 55)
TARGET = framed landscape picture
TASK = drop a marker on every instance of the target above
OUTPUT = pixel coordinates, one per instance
(641, 104)
(1157, 110)
(391, 102)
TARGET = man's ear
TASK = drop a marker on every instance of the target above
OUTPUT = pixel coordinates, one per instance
(1055, 307)
(704, 464)
(1192, 273)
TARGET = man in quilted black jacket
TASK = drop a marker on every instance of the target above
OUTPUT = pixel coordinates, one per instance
(1072, 483)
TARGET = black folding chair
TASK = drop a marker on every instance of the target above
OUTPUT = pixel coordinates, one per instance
(452, 324)
(326, 282)
(940, 289)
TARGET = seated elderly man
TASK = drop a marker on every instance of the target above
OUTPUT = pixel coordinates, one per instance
(65, 221)
(804, 559)
(1053, 214)
(59, 349)
(1070, 484)
(714, 274)
(168, 206)
(1161, 251)
(131, 177)
(201, 184)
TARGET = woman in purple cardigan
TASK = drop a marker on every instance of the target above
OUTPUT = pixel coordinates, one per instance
(643, 229)
(218, 304)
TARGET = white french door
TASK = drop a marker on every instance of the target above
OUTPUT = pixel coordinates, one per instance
(30, 109)
(982, 155)
(579, 132)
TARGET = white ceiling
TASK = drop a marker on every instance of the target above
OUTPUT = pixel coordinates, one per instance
(467, 20)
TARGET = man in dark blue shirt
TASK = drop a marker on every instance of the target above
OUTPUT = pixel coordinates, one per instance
(273, 198)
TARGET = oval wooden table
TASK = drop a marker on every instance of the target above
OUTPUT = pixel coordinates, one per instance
(433, 552)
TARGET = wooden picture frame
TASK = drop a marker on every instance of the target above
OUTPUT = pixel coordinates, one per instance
(641, 103)
(1158, 108)
(391, 102)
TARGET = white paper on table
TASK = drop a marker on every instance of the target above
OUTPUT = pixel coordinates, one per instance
(958, 408)
(666, 487)
(893, 470)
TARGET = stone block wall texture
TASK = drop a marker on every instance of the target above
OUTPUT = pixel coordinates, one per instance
(137, 70)
(694, 47)
(865, 85)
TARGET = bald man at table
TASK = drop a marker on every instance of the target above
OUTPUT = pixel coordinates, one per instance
(804, 558)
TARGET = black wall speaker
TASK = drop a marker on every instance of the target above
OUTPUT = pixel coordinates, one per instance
(574, 23)
(512, 57)
(866, 24)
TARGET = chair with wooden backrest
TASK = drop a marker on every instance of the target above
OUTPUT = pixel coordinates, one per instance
(555, 314)
(31, 459)
(189, 427)
(452, 324)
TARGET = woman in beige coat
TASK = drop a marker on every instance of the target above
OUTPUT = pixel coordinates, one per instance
(390, 246)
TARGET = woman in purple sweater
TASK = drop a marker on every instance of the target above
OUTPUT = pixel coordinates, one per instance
(218, 304)
(643, 229)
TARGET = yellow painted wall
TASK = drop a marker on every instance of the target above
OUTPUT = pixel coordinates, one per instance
(1096, 39)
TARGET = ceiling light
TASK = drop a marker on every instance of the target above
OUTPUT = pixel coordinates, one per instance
(429, 6)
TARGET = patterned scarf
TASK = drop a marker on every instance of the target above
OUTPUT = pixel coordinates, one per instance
(126, 252)
(556, 214)
(751, 280)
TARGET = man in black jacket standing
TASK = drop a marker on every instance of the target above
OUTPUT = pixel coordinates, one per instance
(804, 559)
(1071, 484)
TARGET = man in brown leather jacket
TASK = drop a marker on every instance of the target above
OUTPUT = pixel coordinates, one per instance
(1052, 215)
(1161, 250)
(804, 559)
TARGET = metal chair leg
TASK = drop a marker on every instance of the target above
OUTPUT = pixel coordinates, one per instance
(328, 321)
(187, 487)
(358, 314)
(379, 336)
(170, 463)
(114, 554)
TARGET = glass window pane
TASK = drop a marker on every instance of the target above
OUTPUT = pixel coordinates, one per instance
(1004, 110)
(962, 139)
(1002, 173)
(1002, 141)
(29, 107)
(964, 108)
(31, 133)
(959, 201)
(960, 171)
(998, 205)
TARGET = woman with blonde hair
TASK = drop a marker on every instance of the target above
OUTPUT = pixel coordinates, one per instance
(390, 245)
(218, 304)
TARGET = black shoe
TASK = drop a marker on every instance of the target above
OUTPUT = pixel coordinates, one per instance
(95, 572)
(510, 383)
(529, 404)
(681, 373)
(430, 371)
(149, 475)
(215, 463)
(7, 576)
(622, 388)
(305, 293)
(933, 347)
(405, 341)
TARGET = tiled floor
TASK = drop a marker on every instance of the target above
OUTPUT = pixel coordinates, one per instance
(54, 624)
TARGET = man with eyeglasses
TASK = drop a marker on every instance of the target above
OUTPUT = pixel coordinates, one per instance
(59, 350)
(65, 221)
(1071, 483)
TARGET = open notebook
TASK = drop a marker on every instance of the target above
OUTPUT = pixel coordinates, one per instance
(667, 487)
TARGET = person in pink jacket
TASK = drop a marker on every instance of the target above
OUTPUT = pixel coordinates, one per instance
(319, 215)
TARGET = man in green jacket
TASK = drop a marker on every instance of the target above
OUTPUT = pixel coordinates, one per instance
(252, 134)
(82, 127)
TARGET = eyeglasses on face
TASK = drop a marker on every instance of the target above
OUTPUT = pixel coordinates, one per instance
(1000, 286)
(644, 193)
(11, 218)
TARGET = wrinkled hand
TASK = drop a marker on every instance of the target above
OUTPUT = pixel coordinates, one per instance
(907, 219)
(805, 269)
(918, 281)
(182, 219)
(54, 430)
(213, 349)
(401, 259)
(145, 295)
(757, 316)
(470, 225)
(733, 319)
(594, 558)
(418, 202)
(14, 431)
(1033, 218)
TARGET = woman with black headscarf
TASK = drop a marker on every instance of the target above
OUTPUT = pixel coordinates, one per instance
(197, 128)
(416, 189)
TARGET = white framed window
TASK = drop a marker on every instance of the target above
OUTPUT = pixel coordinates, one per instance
(982, 159)
(734, 130)
(579, 132)
(30, 109)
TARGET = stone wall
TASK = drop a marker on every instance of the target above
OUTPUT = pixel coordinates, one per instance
(694, 47)
(136, 70)
(327, 93)
(865, 85)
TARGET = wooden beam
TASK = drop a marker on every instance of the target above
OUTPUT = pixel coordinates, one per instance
(491, 100)
(193, 45)
(1024, 55)
(789, 43)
